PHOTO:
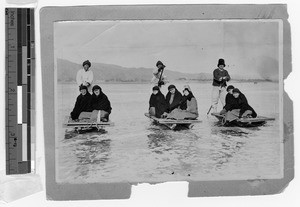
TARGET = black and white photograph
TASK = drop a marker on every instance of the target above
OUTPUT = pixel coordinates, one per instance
(149, 101)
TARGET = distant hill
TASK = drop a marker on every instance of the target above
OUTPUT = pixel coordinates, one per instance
(66, 72)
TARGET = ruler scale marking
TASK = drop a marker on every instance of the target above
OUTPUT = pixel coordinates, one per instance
(12, 131)
(19, 24)
(7, 34)
(31, 94)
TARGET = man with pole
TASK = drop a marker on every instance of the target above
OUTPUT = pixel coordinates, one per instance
(158, 74)
(220, 78)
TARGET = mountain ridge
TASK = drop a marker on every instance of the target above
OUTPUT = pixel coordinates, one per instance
(66, 72)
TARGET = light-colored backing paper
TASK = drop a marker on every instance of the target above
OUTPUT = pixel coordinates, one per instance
(200, 12)
(21, 2)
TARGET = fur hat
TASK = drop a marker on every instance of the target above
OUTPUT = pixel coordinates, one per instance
(221, 62)
(87, 62)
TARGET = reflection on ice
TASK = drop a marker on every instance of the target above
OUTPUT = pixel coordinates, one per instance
(136, 150)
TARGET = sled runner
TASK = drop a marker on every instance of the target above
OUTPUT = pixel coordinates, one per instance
(171, 123)
(243, 122)
(83, 125)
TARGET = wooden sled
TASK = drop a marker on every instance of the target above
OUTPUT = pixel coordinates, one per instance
(85, 125)
(243, 122)
(172, 124)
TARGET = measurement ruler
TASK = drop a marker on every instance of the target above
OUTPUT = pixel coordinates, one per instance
(19, 86)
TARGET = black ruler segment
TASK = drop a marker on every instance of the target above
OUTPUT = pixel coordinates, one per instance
(19, 143)
(19, 45)
(20, 67)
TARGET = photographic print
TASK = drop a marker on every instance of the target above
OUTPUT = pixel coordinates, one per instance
(110, 74)
(148, 94)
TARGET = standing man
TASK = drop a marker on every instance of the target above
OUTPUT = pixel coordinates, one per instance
(220, 77)
(85, 76)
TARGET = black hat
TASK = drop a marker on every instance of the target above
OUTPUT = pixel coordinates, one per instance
(221, 62)
(230, 87)
(155, 88)
(159, 63)
(171, 86)
(96, 87)
(236, 90)
(87, 62)
(81, 87)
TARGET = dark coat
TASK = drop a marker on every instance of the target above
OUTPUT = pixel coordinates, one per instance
(82, 104)
(217, 74)
(242, 104)
(100, 102)
(176, 101)
(230, 101)
(159, 102)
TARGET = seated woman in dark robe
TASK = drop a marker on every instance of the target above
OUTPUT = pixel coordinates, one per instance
(188, 106)
(173, 98)
(241, 103)
(229, 100)
(100, 105)
(157, 103)
(82, 103)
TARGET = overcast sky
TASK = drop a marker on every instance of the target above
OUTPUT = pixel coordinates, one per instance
(248, 47)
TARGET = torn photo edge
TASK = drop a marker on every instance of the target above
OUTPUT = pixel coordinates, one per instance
(49, 15)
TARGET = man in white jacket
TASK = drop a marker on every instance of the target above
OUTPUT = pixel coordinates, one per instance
(85, 76)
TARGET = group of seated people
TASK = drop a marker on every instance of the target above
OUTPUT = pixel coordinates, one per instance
(184, 106)
(236, 101)
(97, 107)
(174, 105)
(92, 107)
